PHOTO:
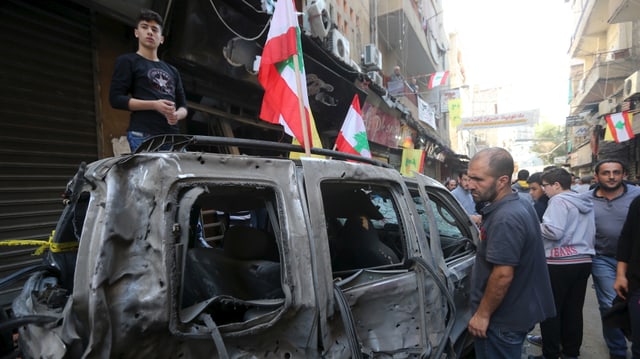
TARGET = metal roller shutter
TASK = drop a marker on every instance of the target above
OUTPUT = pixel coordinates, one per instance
(47, 118)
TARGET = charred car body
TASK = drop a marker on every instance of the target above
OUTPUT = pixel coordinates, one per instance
(187, 253)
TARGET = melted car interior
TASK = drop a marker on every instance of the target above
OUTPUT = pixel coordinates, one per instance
(363, 227)
(231, 266)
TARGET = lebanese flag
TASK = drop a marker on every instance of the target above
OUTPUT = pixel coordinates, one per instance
(277, 75)
(352, 137)
(619, 126)
(438, 79)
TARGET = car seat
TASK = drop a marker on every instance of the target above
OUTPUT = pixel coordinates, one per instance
(361, 247)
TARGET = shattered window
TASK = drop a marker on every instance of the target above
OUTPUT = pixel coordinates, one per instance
(452, 238)
(232, 261)
(363, 226)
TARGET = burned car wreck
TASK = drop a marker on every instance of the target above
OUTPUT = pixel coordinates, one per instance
(187, 253)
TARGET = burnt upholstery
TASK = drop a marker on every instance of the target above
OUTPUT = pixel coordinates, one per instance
(360, 247)
(239, 270)
(247, 243)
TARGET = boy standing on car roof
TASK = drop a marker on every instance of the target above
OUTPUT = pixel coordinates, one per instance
(147, 86)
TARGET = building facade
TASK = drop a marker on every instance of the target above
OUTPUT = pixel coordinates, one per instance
(57, 70)
(605, 59)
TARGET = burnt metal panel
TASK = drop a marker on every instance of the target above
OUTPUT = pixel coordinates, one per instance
(48, 122)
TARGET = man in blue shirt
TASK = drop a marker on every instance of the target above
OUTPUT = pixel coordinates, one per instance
(462, 194)
(510, 290)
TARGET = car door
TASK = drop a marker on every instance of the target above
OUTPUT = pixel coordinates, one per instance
(452, 238)
(389, 316)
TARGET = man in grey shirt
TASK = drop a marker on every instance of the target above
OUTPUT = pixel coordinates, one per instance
(611, 199)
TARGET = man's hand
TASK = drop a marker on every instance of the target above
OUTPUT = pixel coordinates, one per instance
(176, 116)
(165, 107)
(478, 325)
(497, 287)
(621, 285)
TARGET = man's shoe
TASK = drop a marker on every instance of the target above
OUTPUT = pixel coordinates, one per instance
(536, 357)
(535, 339)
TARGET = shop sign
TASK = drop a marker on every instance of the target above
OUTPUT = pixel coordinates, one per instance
(501, 120)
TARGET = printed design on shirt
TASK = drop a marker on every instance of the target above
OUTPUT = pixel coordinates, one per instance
(161, 81)
(565, 251)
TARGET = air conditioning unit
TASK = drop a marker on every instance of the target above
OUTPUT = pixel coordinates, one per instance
(339, 46)
(632, 86)
(607, 106)
(372, 57)
(375, 77)
(317, 20)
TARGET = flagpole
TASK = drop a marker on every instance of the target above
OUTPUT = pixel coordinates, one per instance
(303, 118)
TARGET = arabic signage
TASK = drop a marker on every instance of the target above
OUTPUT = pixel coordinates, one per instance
(446, 96)
(501, 120)
(426, 113)
(574, 120)
(382, 128)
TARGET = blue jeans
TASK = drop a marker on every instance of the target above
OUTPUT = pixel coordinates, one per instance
(135, 139)
(603, 270)
(500, 343)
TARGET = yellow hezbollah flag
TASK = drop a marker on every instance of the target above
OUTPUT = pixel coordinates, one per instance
(315, 139)
(412, 161)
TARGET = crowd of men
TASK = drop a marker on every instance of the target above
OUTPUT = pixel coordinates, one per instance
(541, 237)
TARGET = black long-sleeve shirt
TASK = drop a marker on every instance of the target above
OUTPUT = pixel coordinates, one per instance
(137, 77)
(629, 244)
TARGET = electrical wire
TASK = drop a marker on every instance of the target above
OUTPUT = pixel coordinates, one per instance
(235, 32)
(252, 7)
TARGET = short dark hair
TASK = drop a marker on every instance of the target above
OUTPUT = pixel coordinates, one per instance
(523, 175)
(500, 161)
(535, 178)
(600, 163)
(149, 15)
(559, 175)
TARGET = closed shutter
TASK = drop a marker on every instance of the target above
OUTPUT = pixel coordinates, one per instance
(47, 119)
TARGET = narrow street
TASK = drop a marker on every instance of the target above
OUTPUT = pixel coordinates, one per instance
(593, 345)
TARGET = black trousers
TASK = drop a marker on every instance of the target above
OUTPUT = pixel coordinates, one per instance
(562, 334)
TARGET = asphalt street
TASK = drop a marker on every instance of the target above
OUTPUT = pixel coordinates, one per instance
(593, 345)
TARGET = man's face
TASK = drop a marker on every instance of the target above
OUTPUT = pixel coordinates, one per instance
(610, 176)
(464, 182)
(482, 185)
(149, 34)
(535, 190)
(451, 185)
(551, 188)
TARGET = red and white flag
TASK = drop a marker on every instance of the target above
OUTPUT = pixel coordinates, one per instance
(352, 137)
(277, 75)
(619, 126)
(438, 79)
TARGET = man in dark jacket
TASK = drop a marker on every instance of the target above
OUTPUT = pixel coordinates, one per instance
(627, 283)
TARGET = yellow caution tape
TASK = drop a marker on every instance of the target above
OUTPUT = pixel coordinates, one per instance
(43, 245)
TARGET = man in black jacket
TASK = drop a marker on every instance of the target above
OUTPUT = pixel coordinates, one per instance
(627, 283)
